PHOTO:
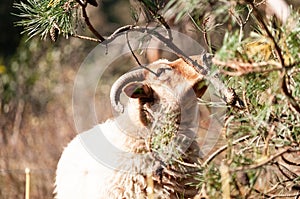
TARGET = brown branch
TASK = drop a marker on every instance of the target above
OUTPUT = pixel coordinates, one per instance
(266, 161)
(166, 41)
(259, 3)
(133, 54)
(289, 161)
(287, 173)
(223, 148)
(85, 38)
(159, 18)
(261, 193)
(241, 73)
(296, 195)
(282, 183)
(242, 68)
(289, 95)
(205, 34)
(117, 33)
(242, 65)
(282, 172)
(293, 65)
(205, 30)
(87, 20)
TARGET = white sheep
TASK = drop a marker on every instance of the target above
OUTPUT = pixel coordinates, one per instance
(138, 154)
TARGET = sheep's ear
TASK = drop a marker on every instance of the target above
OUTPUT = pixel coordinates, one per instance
(200, 88)
(138, 90)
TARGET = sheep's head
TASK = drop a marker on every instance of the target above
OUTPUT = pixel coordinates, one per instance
(162, 91)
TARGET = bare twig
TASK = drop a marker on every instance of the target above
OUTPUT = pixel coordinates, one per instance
(259, 3)
(223, 148)
(133, 54)
(295, 195)
(290, 175)
(87, 20)
(275, 186)
(187, 164)
(86, 38)
(241, 73)
(205, 30)
(240, 21)
(117, 32)
(242, 68)
(242, 65)
(266, 161)
(160, 19)
(261, 193)
(289, 95)
(289, 161)
(205, 34)
(150, 187)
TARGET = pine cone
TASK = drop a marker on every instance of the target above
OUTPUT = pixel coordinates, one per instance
(54, 31)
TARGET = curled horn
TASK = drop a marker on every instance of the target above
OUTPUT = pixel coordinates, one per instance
(117, 87)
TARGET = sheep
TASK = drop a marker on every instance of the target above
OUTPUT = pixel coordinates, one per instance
(153, 139)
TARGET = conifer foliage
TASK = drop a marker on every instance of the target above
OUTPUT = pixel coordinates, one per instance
(257, 54)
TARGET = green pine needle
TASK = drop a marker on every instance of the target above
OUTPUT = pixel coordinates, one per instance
(39, 16)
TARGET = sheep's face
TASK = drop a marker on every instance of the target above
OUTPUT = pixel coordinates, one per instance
(166, 100)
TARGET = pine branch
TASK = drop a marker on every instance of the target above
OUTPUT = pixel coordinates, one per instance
(87, 20)
(39, 17)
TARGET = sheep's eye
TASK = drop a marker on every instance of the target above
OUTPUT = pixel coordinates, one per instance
(160, 71)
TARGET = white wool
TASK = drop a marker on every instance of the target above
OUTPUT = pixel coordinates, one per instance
(79, 174)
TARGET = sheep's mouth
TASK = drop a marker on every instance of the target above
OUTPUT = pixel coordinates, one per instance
(163, 132)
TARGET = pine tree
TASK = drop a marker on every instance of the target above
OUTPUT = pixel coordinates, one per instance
(258, 57)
